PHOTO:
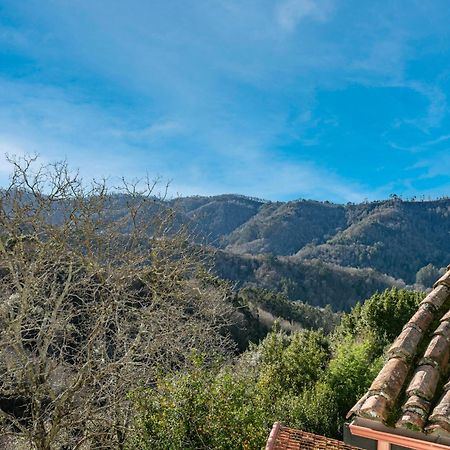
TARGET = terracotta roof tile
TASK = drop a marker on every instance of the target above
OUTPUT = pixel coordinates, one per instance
(375, 407)
(415, 412)
(405, 346)
(437, 353)
(437, 429)
(412, 420)
(284, 438)
(446, 316)
(441, 413)
(444, 328)
(423, 317)
(437, 296)
(411, 381)
(418, 405)
(389, 381)
(424, 382)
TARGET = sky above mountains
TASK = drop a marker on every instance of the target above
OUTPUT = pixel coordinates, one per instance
(279, 99)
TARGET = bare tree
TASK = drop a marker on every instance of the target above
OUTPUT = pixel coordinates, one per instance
(91, 305)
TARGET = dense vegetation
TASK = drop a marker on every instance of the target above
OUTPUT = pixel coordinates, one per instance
(300, 315)
(93, 308)
(305, 379)
(314, 282)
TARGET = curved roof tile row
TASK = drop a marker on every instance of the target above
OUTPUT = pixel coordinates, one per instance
(412, 390)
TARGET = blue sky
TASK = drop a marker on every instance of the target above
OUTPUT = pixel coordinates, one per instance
(280, 99)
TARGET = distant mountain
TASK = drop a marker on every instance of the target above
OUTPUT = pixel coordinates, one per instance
(393, 237)
(285, 228)
(318, 252)
(321, 252)
(213, 218)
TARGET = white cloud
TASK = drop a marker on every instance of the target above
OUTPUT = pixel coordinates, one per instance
(291, 12)
(436, 166)
(437, 105)
(159, 130)
(284, 179)
(201, 125)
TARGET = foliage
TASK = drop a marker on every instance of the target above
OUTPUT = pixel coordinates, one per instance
(114, 334)
(203, 408)
(290, 364)
(284, 228)
(363, 248)
(314, 282)
(382, 315)
(304, 379)
(316, 252)
(298, 313)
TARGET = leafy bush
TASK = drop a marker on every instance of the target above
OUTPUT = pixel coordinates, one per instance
(382, 315)
(304, 379)
(203, 408)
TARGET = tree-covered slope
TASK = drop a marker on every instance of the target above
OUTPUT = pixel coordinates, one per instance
(285, 228)
(394, 237)
(397, 238)
(314, 282)
(212, 218)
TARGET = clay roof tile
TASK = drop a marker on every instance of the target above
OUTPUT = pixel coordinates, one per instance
(423, 317)
(390, 380)
(405, 345)
(437, 353)
(446, 317)
(412, 420)
(376, 407)
(437, 296)
(441, 413)
(424, 382)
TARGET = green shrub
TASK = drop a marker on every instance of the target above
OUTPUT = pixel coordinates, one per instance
(304, 379)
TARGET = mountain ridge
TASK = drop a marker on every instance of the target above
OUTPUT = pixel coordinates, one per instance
(275, 244)
(317, 252)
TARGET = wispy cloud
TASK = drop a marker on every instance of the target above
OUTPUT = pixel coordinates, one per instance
(437, 105)
(290, 13)
(161, 129)
(436, 166)
(279, 181)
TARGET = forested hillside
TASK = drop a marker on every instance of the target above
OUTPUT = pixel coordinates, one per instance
(285, 228)
(314, 281)
(395, 237)
(304, 379)
(318, 252)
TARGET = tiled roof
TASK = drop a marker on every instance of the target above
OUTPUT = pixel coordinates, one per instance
(284, 438)
(412, 390)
